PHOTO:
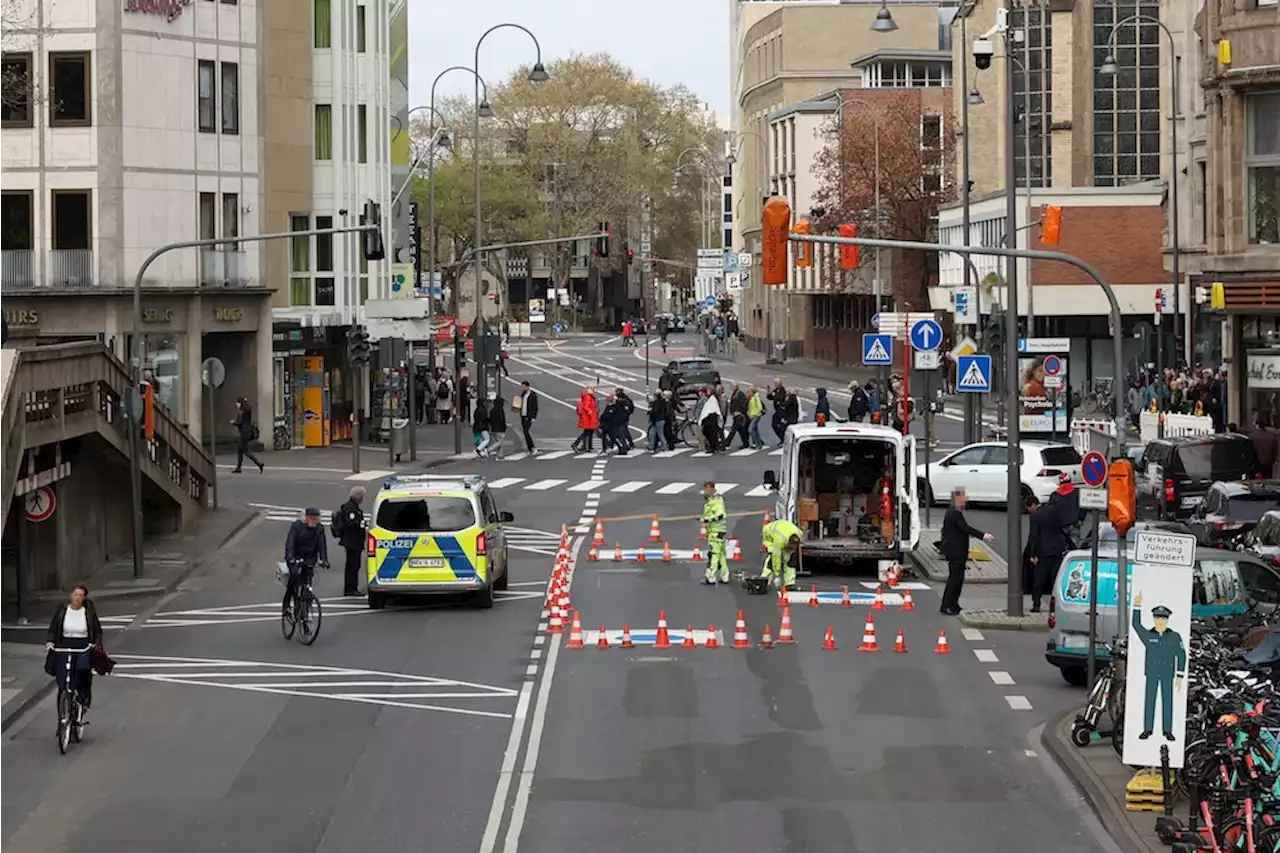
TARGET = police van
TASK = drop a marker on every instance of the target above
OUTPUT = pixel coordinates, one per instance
(851, 488)
(432, 534)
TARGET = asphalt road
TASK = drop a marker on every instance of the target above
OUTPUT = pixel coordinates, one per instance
(446, 728)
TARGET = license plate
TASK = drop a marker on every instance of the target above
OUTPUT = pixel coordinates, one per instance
(1074, 641)
(426, 562)
(1188, 502)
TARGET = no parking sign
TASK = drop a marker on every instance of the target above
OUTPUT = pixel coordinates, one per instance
(1053, 370)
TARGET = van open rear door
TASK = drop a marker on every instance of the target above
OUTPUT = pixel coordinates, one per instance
(907, 491)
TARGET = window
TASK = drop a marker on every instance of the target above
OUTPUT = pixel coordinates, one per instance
(969, 456)
(15, 221)
(70, 104)
(1216, 582)
(325, 293)
(324, 24)
(15, 80)
(229, 2)
(299, 262)
(1033, 97)
(324, 132)
(1260, 581)
(206, 97)
(231, 219)
(72, 220)
(230, 97)
(1126, 105)
(425, 515)
(360, 31)
(208, 216)
(362, 133)
(1262, 160)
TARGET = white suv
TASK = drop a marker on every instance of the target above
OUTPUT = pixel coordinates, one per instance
(982, 471)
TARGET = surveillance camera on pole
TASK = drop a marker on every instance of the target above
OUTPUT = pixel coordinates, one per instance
(983, 51)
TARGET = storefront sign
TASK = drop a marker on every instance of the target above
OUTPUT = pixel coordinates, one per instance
(157, 315)
(228, 315)
(1264, 370)
(170, 9)
(21, 317)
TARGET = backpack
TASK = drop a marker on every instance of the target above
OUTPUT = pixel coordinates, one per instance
(442, 392)
(338, 524)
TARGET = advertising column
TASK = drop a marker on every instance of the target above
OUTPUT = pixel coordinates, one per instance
(1044, 392)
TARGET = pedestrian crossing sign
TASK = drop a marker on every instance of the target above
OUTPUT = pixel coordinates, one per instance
(877, 349)
(974, 372)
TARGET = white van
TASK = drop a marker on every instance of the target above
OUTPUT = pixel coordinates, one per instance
(830, 486)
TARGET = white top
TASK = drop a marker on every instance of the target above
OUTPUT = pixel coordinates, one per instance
(76, 623)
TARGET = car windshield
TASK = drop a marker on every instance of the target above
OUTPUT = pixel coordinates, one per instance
(427, 514)
(1064, 455)
(1107, 533)
(696, 365)
(1250, 507)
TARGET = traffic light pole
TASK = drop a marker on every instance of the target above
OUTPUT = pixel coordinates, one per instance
(137, 352)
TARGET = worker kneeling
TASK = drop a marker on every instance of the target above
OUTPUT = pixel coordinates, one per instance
(715, 519)
(782, 557)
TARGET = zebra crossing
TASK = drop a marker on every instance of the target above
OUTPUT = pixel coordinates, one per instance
(687, 452)
(624, 487)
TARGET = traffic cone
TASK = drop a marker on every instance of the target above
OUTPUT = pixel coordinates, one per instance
(766, 638)
(900, 644)
(740, 638)
(878, 604)
(575, 632)
(640, 555)
(553, 595)
(564, 533)
(712, 642)
(697, 554)
(768, 518)
(735, 551)
(702, 533)
(688, 639)
(942, 648)
(655, 532)
(784, 632)
(666, 552)
(602, 639)
(617, 552)
(626, 637)
(593, 555)
(845, 600)
(598, 539)
(813, 597)
(895, 575)
(565, 603)
(869, 636)
(662, 640)
(829, 642)
(784, 597)
(555, 624)
(907, 603)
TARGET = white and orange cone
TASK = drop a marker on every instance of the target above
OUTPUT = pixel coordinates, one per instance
(688, 638)
(785, 634)
(735, 551)
(869, 636)
(740, 638)
(594, 554)
(602, 639)
(813, 597)
(766, 638)
(655, 532)
(712, 642)
(878, 604)
(617, 552)
(845, 600)
(626, 637)
(696, 556)
(702, 533)
(575, 632)
(829, 641)
(641, 557)
(663, 638)
(666, 552)
(555, 624)
(900, 643)
(598, 539)
(907, 603)
(943, 647)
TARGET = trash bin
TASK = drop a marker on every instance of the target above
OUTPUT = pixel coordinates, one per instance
(399, 437)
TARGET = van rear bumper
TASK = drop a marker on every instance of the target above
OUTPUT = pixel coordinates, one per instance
(1069, 658)
(848, 551)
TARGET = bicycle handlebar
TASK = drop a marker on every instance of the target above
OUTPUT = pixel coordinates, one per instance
(72, 651)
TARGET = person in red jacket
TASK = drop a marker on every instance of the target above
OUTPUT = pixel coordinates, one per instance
(588, 420)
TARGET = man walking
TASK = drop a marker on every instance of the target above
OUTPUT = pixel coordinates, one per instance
(246, 432)
(528, 414)
(497, 427)
(715, 519)
(348, 528)
(1045, 547)
(954, 543)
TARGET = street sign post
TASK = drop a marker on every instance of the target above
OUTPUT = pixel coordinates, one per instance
(965, 304)
(974, 373)
(926, 335)
(212, 373)
(1030, 346)
(1093, 468)
(1093, 499)
(1165, 549)
(877, 349)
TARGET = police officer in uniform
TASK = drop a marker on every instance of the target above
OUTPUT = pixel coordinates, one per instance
(715, 519)
(1166, 666)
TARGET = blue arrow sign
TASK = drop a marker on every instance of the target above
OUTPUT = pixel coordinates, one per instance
(974, 373)
(1093, 468)
(877, 349)
(926, 335)
(875, 321)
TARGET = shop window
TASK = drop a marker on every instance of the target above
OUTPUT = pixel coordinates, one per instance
(230, 98)
(208, 216)
(70, 85)
(15, 80)
(362, 133)
(163, 365)
(324, 24)
(206, 96)
(360, 30)
(1262, 161)
(324, 132)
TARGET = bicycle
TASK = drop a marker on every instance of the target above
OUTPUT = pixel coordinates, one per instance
(70, 705)
(305, 610)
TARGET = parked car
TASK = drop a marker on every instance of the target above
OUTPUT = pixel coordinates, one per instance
(982, 471)
(1263, 541)
(1231, 509)
(1177, 472)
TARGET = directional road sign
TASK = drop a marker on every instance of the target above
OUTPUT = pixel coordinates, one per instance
(877, 349)
(875, 321)
(1035, 345)
(974, 372)
(1093, 468)
(926, 335)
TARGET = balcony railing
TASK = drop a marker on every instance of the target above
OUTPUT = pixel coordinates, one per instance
(223, 268)
(17, 268)
(69, 268)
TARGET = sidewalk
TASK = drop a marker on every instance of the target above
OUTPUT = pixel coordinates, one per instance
(435, 444)
(986, 588)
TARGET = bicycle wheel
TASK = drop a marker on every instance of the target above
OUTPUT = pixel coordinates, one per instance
(77, 719)
(686, 434)
(310, 617)
(64, 721)
(287, 622)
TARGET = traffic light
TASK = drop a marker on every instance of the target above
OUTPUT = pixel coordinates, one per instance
(993, 332)
(1051, 226)
(776, 219)
(804, 251)
(147, 394)
(849, 255)
(358, 349)
(371, 240)
(631, 256)
(602, 242)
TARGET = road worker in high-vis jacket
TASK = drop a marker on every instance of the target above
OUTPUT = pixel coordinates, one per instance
(782, 546)
(715, 519)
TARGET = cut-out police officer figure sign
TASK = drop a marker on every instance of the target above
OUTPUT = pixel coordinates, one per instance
(1165, 670)
(1155, 711)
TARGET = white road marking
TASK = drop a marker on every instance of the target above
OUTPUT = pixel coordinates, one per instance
(973, 635)
(494, 823)
(759, 492)
(503, 482)
(536, 654)
(674, 488)
(525, 783)
(555, 454)
(1018, 703)
(531, 669)
(986, 656)
(1003, 679)
(590, 454)
(725, 488)
(588, 485)
(701, 454)
(746, 451)
(366, 476)
(667, 454)
(632, 486)
(543, 485)
(516, 457)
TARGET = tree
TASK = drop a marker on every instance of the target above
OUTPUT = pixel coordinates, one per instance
(917, 150)
(20, 24)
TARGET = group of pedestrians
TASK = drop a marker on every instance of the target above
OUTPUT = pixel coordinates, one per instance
(489, 422)
(612, 423)
(1190, 391)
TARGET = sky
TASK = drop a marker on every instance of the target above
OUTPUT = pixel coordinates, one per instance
(667, 41)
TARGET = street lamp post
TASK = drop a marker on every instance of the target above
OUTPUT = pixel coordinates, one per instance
(1109, 67)
(972, 403)
(537, 74)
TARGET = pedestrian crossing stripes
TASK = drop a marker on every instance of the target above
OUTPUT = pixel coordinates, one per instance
(623, 487)
(688, 452)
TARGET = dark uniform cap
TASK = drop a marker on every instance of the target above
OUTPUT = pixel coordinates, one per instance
(312, 511)
(1161, 611)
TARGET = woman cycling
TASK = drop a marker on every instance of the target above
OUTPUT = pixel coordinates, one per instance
(75, 625)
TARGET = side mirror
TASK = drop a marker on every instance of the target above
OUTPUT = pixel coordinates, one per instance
(506, 517)
(771, 480)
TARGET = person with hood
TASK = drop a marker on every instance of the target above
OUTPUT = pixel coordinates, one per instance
(673, 411)
(709, 422)
(738, 416)
(859, 402)
(480, 428)
(627, 408)
(1064, 503)
(659, 411)
(791, 410)
(497, 428)
(782, 553)
(588, 420)
(755, 414)
(778, 396)
(873, 401)
(823, 406)
(464, 397)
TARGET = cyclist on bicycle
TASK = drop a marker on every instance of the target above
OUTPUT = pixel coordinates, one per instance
(75, 625)
(304, 547)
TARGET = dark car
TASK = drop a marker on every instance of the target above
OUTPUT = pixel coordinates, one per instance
(694, 373)
(1230, 510)
(1177, 472)
(1263, 541)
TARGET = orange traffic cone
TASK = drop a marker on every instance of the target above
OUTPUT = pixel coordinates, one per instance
(712, 642)
(735, 551)
(813, 597)
(845, 600)
(900, 644)
(878, 604)
(895, 574)
(784, 597)
(565, 603)
(942, 648)
(555, 624)
(655, 532)
(829, 642)
(593, 555)
(740, 638)
(640, 555)
(907, 603)
(784, 632)
(626, 637)
(766, 639)
(564, 533)
(702, 533)
(768, 518)
(666, 552)
(869, 636)
(662, 640)
(697, 554)
(602, 640)
(598, 539)
(575, 632)
(688, 639)
(617, 552)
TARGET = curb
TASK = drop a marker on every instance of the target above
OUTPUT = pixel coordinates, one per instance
(1001, 624)
(1056, 739)
(941, 577)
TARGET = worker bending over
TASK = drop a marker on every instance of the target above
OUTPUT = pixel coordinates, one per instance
(715, 519)
(782, 546)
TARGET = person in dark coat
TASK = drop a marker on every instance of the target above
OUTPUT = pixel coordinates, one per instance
(1266, 443)
(627, 408)
(497, 427)
(738, 417)
(75, 625)
(778, 396)
(859, 402)
(348, 529)
(1045, 546)
(954, 545)
(480, 427)
(244, 434)
(823, 406)
(612, 424)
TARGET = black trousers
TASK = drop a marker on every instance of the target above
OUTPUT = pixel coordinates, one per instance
(739, 429)
(1043, 574)
(299, 576)
(955, 582)
(351, 570)
(525, 425)
(242, 450)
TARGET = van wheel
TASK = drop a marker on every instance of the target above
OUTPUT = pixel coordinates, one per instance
(1076, 676)
(377, 600)
(483, 599)
(501, 583)
(925, 492)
